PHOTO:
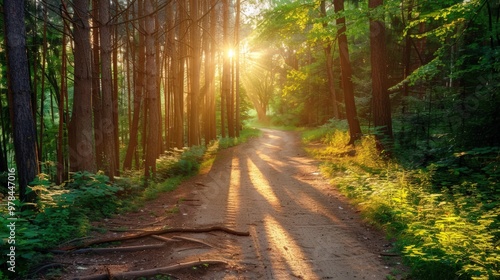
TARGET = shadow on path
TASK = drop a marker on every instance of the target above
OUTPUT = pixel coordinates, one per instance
(298, 227)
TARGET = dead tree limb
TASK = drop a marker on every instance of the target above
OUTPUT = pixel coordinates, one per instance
(165, 239)
(150, 272)
(192, 240)
(119, 249)
(158, 232)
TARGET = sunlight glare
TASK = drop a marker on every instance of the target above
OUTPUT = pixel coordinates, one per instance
(291, 253)
(261, 184)
(233, 200)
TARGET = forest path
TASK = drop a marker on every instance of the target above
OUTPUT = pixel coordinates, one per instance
(300, 227)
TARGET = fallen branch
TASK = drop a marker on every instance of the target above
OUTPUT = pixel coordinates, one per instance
(192, 240)
(119, 249)
(124, 230)
(158, 232)
(149, 272)
(166, 239)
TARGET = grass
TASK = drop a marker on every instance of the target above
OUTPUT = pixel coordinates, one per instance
(446, 228)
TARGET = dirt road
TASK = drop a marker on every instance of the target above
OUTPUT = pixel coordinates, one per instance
(299, 225)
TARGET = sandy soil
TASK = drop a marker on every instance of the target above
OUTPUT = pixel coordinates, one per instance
(300, 226)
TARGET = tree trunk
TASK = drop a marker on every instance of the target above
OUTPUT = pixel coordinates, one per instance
(329, 64)
(347, 85)
(237, 70)
(96, 87)
(406, 54)
(138, 100)
(380, 96)
(226, 75)
(23, 122)
(114, 101)
(80, 130)
(178, 63)
(107, 129)
(194, 125)
(170, 73)
(152, 113)
(212, 119)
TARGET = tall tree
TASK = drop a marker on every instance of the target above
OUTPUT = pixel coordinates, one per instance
(107, 123)
(23, 122)
(226, 74)
(329, 60)
(152, 100)
(178, 61)
(380, 97)
(80, 129)
(61, 159)
(211, 114)
(347, 84)
(139, 52)
(194, 31)
(96, 86)
(237, 24)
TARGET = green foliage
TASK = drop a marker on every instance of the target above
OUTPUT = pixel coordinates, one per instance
(331, 134)
(445, 217)
(167, 185)
(184, 162)
(62, 213)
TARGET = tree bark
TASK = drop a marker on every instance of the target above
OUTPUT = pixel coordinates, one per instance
(178, 63)
(237, 69)
(80, 130)
(96, 87)
(212, 119)
(380, 97)
(329, 64)
(107, 124)
(23, 122)
(226, 74)
(138, 99)
(194, 125)
(152, 114)
(347, 85)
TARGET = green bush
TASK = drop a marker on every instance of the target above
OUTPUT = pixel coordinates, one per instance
(61, 213)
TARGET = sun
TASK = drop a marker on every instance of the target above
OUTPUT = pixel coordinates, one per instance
(230, 53)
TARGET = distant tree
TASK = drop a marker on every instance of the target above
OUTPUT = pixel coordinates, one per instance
(23, 122)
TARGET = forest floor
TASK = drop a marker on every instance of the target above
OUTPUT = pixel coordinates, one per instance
(300, 227)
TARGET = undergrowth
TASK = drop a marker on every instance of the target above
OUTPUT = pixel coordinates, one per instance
(65, 212)
(444, 215)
